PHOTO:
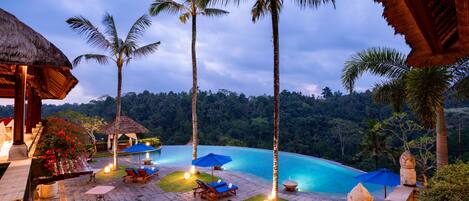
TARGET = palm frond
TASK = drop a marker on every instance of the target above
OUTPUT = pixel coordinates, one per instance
(259, 10)
(200, 4)
(146, 50)
(99, 58)
(386, 62)
(111, 31)
(461, 87)
(168, 6)
(128, 48)
(93, 36)
(425, 88)
(313, 3)
(460, 78)
(220, 2)
(138, 28)
(184, 17)
(391, 92)
(214, 12)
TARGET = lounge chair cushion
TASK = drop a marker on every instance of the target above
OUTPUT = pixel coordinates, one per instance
(224, 189)
(216, 184)
(149, 171)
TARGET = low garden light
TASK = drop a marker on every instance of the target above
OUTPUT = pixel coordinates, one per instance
(193, 170)
(111, 166)
(187, 175)
(271, 196)
(107, 170)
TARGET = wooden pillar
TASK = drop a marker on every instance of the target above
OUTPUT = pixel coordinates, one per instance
(36, 110)
(30, 111)
(20, 93)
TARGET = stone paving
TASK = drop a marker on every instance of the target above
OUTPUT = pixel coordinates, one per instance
(249, 185)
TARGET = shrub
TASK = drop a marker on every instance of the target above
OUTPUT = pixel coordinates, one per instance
(154, 141)
(449, 183)
(61, 140)
(56, 147)
(54, 125)
(101, 146)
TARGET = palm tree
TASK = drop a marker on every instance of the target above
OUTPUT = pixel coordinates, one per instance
(189, 9)
(274, 7)
(423, 89)
(118, 50)
(374, 144)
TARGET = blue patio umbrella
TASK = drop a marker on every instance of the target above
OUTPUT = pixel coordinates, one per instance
(382, 177)
(211, 160)
(139, 148)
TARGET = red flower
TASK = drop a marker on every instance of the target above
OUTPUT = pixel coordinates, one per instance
(61, 133)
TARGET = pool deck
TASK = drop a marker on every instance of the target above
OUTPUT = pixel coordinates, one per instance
(249, 185)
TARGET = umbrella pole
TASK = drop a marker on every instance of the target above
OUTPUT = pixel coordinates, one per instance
(212, 174)
(384, 191)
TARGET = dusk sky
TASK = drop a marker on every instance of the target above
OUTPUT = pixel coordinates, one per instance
(233, 53)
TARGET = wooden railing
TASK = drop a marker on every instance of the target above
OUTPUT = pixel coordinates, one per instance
(15, 183)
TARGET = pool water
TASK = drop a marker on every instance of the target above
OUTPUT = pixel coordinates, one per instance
(312, 174)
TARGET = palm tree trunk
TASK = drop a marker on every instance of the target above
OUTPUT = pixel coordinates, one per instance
(194, 88)
(441, 138)
(376, 161)
(118, 115)
(275, 34)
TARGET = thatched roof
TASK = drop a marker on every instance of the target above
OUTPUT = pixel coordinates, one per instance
(48, 68)
(127, 125)
(19, 44)
(437, 31)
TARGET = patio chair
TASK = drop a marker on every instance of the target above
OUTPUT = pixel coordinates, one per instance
(130, 176)
(220, 191)
(143, 176)
(152, 172)
(201, 189)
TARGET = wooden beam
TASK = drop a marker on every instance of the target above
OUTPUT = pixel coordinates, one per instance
(462, 10)
(422, 17)
(20, 93)
(7, 92)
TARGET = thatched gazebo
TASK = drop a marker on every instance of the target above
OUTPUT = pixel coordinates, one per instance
(127, 126)
(437, 31)
(31, 68)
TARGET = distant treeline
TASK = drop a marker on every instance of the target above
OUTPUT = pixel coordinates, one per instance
(307, 125)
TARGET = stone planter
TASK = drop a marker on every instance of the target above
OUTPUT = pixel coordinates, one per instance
(47, 191)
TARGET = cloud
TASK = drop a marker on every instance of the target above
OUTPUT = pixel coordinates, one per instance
(233, 53)
(77, 95)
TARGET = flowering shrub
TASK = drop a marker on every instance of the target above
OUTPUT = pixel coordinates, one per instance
(55, 125)
(58, 143)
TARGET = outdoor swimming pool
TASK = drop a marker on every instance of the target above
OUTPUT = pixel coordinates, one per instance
(313, 174)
